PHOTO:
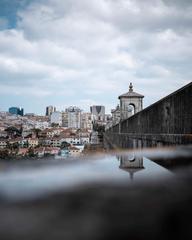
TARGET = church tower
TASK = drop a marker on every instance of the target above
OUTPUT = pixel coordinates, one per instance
(130, 103)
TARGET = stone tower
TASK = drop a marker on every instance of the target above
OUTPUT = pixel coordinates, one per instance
(130, 103)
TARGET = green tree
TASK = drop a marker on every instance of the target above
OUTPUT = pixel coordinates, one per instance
(64, 145)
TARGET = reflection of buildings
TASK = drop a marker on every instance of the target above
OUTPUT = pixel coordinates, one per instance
(131, 163)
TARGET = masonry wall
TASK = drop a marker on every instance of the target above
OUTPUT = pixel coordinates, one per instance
(166, 122)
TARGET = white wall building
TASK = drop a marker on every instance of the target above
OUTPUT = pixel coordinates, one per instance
(74, 117)
(86, 120)
(56, 117)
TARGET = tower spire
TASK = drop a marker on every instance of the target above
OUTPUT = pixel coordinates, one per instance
(130, 87)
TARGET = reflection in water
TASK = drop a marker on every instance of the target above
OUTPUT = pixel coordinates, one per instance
(131, 163)
(30, 179)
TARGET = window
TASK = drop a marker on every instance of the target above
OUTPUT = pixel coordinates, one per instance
(131, 109)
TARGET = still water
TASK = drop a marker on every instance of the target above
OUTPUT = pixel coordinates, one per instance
(36, 178)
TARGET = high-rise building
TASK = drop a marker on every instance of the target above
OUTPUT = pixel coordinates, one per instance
(65, 119)
(74, 117)
(98, 113)
(16, 111)
(86, 121)
(50, 110)
(56, 118)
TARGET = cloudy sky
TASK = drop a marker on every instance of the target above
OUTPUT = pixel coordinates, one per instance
(84, 52)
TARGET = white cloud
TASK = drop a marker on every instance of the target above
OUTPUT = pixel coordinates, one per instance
(92, 49)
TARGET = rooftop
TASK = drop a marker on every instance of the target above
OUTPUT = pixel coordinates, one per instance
(131, 93)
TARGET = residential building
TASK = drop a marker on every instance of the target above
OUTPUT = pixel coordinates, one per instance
(56, 142)
(3, 143)
(22, 151)
(33, 142)
(74, 151)
(74, 117)
(86, 121)
(65, 119)
(56, 118)
(3, 134)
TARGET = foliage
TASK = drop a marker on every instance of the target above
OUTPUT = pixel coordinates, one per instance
(64, 145)
(31, 152)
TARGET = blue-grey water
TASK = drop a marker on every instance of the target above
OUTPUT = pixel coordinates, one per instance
(35, 178)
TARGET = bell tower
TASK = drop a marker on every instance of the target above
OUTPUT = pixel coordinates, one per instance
(130, 103)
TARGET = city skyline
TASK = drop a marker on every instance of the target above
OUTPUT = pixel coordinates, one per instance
(86, 53)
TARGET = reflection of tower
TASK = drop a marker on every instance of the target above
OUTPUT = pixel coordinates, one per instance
(131, 163)
(130, 103)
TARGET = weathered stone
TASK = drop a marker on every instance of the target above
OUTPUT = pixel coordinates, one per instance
(166, 122)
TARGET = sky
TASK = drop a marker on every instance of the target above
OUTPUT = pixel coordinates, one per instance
(86, 52)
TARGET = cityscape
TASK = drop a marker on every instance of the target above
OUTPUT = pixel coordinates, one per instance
(95, 119)
(32, 135)
(61, 134)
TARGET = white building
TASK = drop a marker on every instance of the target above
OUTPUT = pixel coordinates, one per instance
(74, 117)
(3, 143)
(41, 125)
(56, 118)
(65, 119)
(86, 120)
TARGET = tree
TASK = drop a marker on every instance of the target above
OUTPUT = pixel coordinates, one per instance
(36, 131)
(4, 154)
(31, 152)
(13, 131)
(64, 145)
(54, 124)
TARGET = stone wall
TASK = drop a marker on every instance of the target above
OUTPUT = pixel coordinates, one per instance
(166, 122)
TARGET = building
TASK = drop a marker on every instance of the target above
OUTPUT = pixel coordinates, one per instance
(130, 103)
(74, 151)
(50, 110)
(86, 121)
(56, 118)
(3, 143)
(98, 113)
(65, 119)
(74, 117)
(33, 142)
(116, 115)
(16, 111)
(56, 141)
